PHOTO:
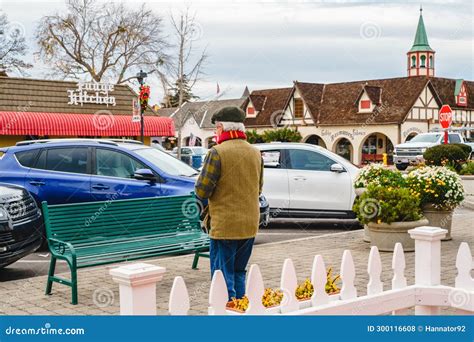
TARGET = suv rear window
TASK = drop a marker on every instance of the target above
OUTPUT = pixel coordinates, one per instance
(26, 158)
(64, 159)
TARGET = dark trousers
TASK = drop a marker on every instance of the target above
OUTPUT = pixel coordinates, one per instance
(231, 257)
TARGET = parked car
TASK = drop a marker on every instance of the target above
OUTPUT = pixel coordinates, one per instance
(307, 181)
(411, 152)
(187, 153)
(85, 170)
(20, 224)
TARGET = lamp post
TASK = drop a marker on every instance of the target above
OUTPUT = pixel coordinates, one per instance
(141, 79)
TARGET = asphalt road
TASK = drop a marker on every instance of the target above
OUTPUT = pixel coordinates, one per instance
(37, 263)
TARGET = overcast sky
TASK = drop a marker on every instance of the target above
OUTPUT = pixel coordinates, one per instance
(264, 44)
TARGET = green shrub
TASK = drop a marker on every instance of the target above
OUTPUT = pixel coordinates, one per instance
(466, 148)
(253, 137)
(446, 155)
(386, 204)
(467, 169)
(282, 134)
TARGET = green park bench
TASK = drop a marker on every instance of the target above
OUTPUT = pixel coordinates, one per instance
(98, 233)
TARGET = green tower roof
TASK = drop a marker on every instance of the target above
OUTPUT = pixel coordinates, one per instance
(421, 38)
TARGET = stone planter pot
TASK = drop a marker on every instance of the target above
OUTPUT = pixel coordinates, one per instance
(359, 191)
(439, 218)
(366, 237)
(385, 236)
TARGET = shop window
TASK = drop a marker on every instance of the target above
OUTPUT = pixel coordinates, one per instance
(299, 108)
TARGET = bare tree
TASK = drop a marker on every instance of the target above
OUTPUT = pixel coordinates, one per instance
(184, 67)
(12, 46)
(101, 40)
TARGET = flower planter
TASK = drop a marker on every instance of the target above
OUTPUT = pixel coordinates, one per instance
(366, 237)
(439, 218)
(385, 236)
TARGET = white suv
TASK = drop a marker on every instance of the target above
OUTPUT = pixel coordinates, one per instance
(307, 181)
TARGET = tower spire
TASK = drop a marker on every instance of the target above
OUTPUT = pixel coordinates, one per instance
(421, 55)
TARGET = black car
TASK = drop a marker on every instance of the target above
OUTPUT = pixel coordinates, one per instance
(20, 224)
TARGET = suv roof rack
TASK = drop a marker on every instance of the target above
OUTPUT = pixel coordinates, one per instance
(45, 141)
(127, 141)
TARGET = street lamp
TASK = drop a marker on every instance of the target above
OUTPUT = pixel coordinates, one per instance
(141, 79)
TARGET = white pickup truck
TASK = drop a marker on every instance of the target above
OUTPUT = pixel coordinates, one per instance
(411, 152)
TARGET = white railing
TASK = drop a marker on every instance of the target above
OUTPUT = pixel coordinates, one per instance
(427, 295)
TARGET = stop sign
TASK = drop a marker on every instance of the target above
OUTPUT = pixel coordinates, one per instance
(445, 116)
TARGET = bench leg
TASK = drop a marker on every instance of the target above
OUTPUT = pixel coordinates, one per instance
(52, 268)
(196, 260)
(74, 285)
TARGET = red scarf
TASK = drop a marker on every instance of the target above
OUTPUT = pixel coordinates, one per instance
(229, 135)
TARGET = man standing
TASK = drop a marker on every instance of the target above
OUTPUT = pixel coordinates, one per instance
(231, 179)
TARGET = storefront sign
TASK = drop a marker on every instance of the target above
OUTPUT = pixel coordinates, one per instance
(411, 130)
(91, 92)
(349, 134)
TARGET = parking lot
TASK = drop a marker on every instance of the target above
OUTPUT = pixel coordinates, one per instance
(37, 263)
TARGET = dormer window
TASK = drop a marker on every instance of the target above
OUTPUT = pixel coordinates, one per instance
(299, 108)
(365, 104)
(460, 93)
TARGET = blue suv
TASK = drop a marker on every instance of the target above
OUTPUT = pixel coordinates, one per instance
(86, 170)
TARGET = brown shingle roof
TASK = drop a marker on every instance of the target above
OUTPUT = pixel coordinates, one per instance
(445, 89)
(398, 96)
(52, 97)
(374, 94)
(275, 102)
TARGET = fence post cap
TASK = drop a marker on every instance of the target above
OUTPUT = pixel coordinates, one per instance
(137, 274)
(427, 233)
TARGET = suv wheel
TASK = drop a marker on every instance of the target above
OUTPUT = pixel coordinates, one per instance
(402, 166)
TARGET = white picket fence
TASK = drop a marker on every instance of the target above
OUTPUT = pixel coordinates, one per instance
(427, 295)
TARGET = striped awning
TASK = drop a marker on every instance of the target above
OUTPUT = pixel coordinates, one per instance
(102, 123)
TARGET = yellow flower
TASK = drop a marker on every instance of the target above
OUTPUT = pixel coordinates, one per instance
(379, 221)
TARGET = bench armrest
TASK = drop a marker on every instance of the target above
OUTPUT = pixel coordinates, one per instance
(62, 247)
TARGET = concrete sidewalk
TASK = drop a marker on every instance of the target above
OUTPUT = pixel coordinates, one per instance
(98, 295)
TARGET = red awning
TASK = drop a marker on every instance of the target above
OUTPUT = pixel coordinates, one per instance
(102, 123)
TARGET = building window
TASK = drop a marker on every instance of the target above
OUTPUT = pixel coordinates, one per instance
(413, 61)
(250, 111)
(423, 61)
(431, 62)
(365, 104)
(299, 108)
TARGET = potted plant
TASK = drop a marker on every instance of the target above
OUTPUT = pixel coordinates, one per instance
(377, 174)
(389, 213)
(440, 191)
